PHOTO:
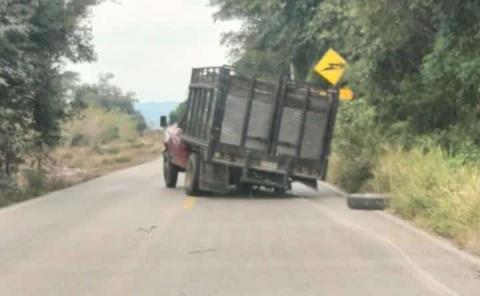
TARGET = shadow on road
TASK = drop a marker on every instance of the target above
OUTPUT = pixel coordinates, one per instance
(298, 191)
(252, 194)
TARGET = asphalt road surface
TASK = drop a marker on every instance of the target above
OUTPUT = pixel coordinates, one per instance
(126, 234)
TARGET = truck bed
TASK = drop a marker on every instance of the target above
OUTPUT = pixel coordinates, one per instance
(282, 127)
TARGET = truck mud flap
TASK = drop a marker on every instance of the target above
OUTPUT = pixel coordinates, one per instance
(214, 177)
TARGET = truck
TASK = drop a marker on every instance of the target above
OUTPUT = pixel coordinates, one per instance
(244, 131)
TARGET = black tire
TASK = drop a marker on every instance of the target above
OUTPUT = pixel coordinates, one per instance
(170, 171)
(192, 175)
(367, 202)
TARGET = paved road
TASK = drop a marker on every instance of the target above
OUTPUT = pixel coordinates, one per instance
(125, 234)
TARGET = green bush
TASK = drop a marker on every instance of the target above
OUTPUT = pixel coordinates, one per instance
(98, 126)
(109, 134)
(36, 180)
(355, 146)
(455, 141)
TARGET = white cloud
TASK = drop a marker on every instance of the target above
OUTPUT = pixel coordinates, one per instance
(151, 45)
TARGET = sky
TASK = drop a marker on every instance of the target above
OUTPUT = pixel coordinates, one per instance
(151, 45)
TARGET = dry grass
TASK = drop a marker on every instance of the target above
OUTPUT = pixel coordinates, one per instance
(77, 164)
(435, 191)
(97, 126)
(99, 142)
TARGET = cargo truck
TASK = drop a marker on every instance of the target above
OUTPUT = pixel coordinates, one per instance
(244, 131)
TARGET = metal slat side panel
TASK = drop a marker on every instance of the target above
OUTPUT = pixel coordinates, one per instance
(261, 116)
(264, 91)
(292, 120)
(240, 86)
(289, 131)
(319, 104)
(315, 129)
(259, 126)
(296, 97)
(235, 110)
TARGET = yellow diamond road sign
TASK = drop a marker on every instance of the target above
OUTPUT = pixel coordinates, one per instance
(331, 67)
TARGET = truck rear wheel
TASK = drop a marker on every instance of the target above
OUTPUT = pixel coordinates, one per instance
(170, 171)
(192, 175)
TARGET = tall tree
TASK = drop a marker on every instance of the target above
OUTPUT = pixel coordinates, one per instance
(274, 36)
(36, 38)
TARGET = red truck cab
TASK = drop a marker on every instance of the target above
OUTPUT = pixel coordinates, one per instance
(175, 154)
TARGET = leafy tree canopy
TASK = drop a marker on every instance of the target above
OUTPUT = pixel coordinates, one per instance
(414, 61)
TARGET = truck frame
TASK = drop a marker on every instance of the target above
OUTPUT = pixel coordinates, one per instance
(247, 131)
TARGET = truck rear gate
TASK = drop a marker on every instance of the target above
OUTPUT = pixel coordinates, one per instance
(283, 128)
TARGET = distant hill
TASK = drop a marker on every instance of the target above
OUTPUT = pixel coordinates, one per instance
(153, 110)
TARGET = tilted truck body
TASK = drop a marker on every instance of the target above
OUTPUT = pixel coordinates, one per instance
(240, 130)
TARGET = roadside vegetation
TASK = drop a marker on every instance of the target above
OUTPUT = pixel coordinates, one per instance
(67, 165)
(54, 130)
(36, 39)
(413, 130)
(105, 134)
(434, 190)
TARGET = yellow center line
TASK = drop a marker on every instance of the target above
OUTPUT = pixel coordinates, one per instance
(189, 202)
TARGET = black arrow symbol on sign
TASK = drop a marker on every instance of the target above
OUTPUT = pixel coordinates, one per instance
(334, 66)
